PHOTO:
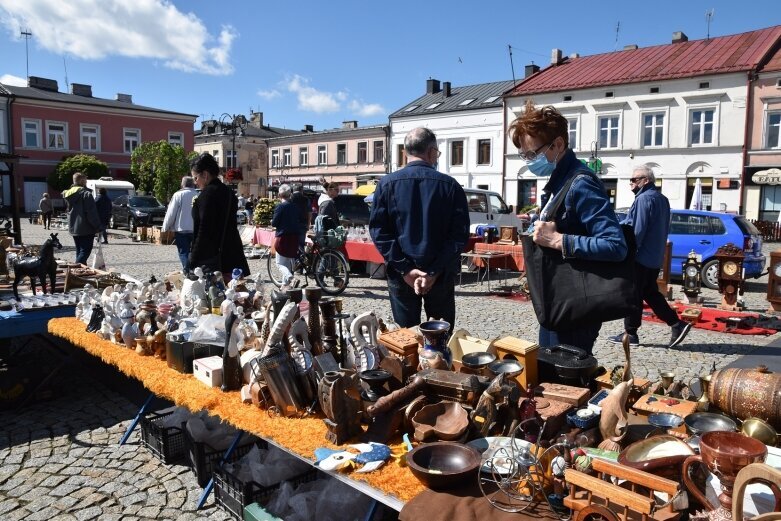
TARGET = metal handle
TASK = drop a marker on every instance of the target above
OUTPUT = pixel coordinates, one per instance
(704, 241)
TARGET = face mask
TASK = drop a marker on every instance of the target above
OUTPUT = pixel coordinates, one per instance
(541, 166)
(636, 189)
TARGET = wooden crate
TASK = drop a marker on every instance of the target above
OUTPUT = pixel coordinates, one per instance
(640, 387)
(525, 352)
(563, 393)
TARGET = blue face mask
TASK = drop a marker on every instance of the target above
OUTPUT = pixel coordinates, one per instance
(541, 166)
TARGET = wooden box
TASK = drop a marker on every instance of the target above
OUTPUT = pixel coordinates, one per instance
(525, 352)
(456, 387)
(691, 315)
(683, 408)
(554, 414)
(640, 386)
(507, 235)
(563, 393)
(402, 342)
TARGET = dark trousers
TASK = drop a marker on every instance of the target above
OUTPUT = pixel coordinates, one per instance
(583, 338)
(183, 241)
(439, 303)
(47, 219)
(648, 290)
(83, 247)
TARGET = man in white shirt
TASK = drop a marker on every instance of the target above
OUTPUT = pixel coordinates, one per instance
(179, 218)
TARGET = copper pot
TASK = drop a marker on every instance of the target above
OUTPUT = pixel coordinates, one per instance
(747, 393)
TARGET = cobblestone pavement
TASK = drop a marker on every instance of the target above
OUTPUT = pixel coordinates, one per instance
(60, 459)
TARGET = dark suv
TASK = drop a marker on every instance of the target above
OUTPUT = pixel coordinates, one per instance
(353, 209)
(136, 210)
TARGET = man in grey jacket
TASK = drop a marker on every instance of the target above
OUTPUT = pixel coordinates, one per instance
(83, 219)
(179, 218)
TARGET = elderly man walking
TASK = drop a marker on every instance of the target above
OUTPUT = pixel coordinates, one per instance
(83, 219)
(179, 218)
(649, 216)
(420, 224)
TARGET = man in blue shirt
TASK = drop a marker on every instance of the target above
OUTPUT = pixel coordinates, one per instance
(650, 219)
(420, 224)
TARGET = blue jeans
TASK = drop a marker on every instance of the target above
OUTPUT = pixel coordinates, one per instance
(583, 337)
(439, 303)
(183, 241)
(83, 247)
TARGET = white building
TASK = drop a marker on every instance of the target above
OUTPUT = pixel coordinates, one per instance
(679, 108)
(469, 127)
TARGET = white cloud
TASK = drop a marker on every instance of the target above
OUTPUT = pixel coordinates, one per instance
(96, 29)
(269, 94)
(311, 99)
(15, 81)
(366, 109)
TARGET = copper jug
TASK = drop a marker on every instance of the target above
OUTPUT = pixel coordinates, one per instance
(748, 392)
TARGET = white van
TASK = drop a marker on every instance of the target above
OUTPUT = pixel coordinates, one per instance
(113, 188)
(486, 207)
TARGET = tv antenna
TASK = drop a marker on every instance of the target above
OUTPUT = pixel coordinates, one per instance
(65, 66)
(618, 28)
(26, 34)
(708, 18)
(512, 67)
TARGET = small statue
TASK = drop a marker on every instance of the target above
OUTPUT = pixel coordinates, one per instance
(232, 375)
(235, 276)
(129, 327)
(96, 319)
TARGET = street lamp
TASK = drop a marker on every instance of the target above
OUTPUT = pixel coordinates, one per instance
(233, 125)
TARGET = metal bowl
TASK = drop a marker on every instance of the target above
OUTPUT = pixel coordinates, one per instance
(511, 368)
(702, 422)
(442, 464)
(665, 420)
(477, 360)
(760, 430)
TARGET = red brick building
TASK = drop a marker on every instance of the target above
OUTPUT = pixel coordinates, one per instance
(47, 125)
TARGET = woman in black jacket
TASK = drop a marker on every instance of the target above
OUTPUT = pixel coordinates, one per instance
(216, 241)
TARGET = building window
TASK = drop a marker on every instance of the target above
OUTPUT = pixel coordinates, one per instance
(363, 152)
(608, 132)
(341, 154)
(457, 153)
(491, 99)
(773, 132)
(483, 151)
(466, 102)
(572, 132)
(230, 159)
(322, 155)
(653, 129)
(702, 127)
(176, 139)
(32, 133)
(287, 157)
(303, 156)
(434, 105)
(132, 139)
(379, 152)
(90, 138)
(275, 159)
(56, 135)
(401, 155)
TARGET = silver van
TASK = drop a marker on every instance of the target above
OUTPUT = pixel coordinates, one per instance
(487, 207)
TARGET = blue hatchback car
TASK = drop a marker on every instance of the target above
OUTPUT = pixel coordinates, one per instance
(705, 232)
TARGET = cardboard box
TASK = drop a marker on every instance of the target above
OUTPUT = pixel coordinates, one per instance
(165, 238)
(209, 370)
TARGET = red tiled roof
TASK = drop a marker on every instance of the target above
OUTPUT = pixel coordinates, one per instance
(734, 53)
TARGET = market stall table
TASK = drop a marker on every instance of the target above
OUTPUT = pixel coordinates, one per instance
(515, 251)
(482, 261)
(391, 484)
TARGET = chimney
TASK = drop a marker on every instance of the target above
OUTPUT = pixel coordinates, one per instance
(630, 47)
(350, 124)
(432, 86)
(79, 89)
(530, 69)
(574, 56)
(256, 119)
(680, 37)
(124, 98)
(37, 82)
(208, 126)
(309, 128)
(446, 89)
(555, 57)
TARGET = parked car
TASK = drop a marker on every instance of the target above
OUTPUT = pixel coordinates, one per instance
(136, 210)
(488, 208)
(705, 232)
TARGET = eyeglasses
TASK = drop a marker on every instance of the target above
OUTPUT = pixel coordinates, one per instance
(439, 152)
(531, 156)
(636, 179)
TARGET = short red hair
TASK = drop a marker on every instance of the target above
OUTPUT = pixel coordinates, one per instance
(544, 123)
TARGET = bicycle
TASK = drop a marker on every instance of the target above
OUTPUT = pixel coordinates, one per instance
(328, 267)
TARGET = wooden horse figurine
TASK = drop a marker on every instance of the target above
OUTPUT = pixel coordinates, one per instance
(38, 267)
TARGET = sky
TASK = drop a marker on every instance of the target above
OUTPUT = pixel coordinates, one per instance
(320, 63)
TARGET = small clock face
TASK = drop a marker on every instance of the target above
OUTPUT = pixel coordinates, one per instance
(777, 269)
(730, 268)
(691, 271)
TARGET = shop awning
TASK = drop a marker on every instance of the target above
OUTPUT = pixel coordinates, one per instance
(365, 189)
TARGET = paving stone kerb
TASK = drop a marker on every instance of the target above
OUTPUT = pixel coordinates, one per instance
(55, 452)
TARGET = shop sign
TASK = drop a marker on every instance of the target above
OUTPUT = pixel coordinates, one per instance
(771, 176)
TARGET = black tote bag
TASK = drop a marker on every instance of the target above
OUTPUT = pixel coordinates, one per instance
(573, 293)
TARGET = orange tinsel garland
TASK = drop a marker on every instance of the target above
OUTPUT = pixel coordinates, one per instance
(301, 436)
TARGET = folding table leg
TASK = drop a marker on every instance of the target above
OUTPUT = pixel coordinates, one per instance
(210, 485)
(135, 421)
(372, 511)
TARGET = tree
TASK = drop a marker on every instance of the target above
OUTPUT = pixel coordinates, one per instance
(157, 167)
(62, 176)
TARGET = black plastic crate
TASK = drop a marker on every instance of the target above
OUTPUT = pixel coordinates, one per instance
(233, 495)
(204, 459)
(167, 443)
